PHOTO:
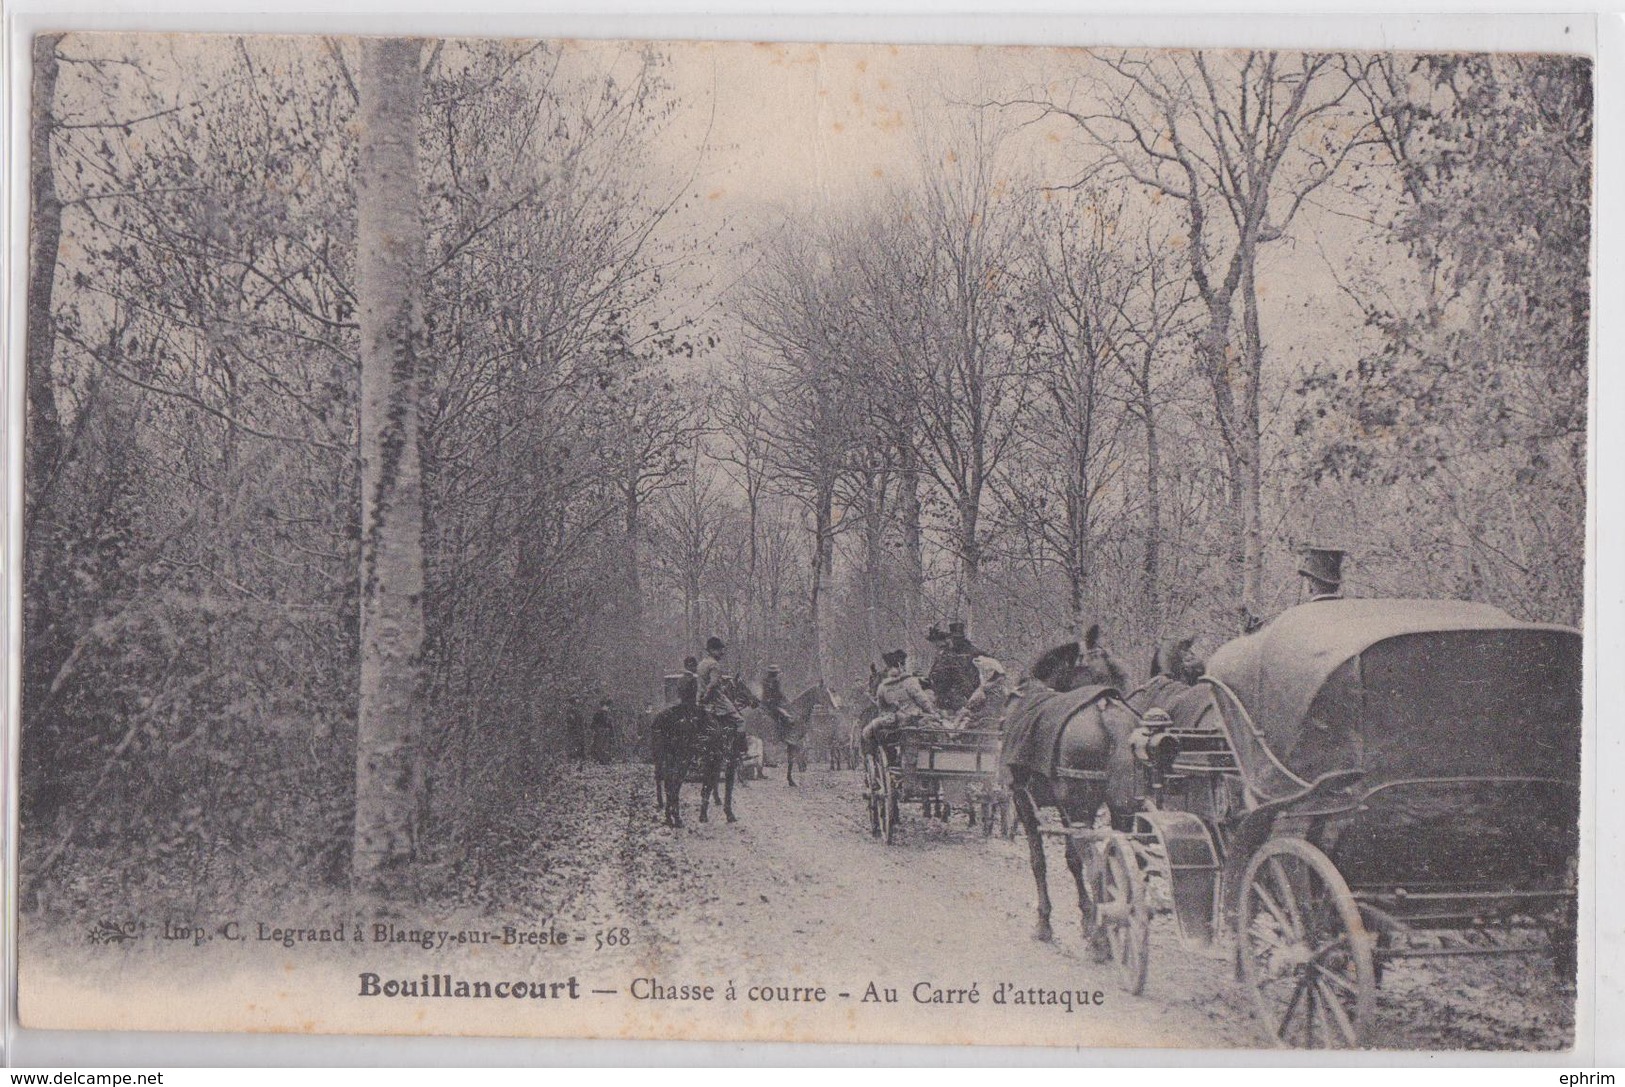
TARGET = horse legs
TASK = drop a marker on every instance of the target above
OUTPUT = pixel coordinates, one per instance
(1093, 934)
(708, 787)
(674, 811)
(791, 753)
(1027, 814)
(728, 795)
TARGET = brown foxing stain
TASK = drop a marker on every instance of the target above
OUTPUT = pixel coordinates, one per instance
(890, 121)
(715, 194)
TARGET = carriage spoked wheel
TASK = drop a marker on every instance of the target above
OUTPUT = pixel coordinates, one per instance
(891, 785)
(1123, 910)
(873, 791)
(1303, 950)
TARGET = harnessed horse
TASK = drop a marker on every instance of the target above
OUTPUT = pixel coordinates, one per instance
(1068, 749)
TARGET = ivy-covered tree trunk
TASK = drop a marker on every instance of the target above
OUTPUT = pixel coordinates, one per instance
(390, 250)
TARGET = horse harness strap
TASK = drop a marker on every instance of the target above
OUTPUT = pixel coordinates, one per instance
(1080, 775)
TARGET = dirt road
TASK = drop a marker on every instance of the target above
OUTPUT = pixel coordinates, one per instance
(792, 924)
(798, 890)
(809, 893)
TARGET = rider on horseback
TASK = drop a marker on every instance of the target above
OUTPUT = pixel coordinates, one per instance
(713, 685)
(901, 698)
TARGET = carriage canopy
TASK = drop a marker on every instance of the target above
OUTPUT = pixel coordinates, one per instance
(1409, 689)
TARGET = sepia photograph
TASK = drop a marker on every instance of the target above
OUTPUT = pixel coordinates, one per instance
(796, 542)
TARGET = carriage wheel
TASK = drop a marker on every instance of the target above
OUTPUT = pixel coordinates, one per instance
(1303, 949)
(888, 803)
(872, 793)
(1124, 910)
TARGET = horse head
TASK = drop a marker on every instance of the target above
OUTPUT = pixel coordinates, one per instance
(1173, 658)
(1071, 665)
(739, 692)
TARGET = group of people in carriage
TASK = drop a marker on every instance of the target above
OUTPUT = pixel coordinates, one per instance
(965, 687)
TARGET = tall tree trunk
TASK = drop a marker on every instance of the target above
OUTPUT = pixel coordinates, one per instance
(823, 528)
(389, 253)
(43, 447)
(1252, 445)
(47, 626)
(1152, 566)
(970, 555)
(874, 539)
(632, 527)
(913, 551)
(1218, 361)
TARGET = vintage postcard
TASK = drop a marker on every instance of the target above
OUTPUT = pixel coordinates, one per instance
(793, 542)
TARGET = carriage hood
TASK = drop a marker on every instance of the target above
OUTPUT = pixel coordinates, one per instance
(1404, 688)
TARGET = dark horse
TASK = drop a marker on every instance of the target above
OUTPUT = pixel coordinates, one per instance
(1067, 748)
(1174, 670)
(672, 737)
(690, 743)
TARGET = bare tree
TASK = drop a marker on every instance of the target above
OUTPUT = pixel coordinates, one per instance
(972, 393)
(1240, 140)
(389, 259)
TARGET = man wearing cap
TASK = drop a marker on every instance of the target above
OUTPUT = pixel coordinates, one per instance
(901, 698)
(1322, 570)
(710, 676)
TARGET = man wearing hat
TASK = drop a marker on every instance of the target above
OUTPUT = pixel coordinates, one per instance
(958, 642)
(1322, 570)
(953, 677)
(710, 675)
(901, 698)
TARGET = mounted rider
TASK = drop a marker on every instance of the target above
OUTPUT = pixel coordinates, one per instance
(902, 699)
(712, 680)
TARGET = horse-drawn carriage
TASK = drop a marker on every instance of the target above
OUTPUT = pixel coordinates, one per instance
(940, 768)
(1357, 782)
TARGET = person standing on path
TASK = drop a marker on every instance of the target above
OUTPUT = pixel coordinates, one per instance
(603, 733)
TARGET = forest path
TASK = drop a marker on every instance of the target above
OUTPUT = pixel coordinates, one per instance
(798, 892)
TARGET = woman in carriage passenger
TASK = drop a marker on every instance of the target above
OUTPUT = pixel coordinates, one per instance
(902, 699)
(985, 707)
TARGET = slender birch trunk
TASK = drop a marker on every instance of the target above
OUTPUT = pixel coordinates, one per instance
(390, 248)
